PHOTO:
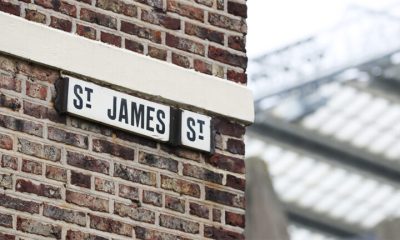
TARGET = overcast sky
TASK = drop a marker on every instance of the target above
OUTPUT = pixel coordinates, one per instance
(275, 23)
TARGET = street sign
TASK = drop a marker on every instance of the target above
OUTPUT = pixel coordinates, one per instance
(196, 130)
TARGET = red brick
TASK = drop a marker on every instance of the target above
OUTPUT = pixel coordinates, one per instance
(199, 210)
(87, 162)
(38, 228)
(148, 234)
(179, 224)
(142, 32)
(235, 146)
(118, 6)
(117, 150)
(56, 173)
(225, 22)
(157, 53)
(134, 175)
(175, 204)
(225, 198)
(10, 162)
(36, 90)
(70, 138)
(185, 10)
(237, 9)
(39, 150)
(6, 181)
(134, 46)
(37, 72)
(6, 221)
(110, 39)
(223, 126)
(33, 167)
(104, 185)
(59, 6)
(182, 152)
(21, 125)
(90, 126)
(185, 44)
(10, 83)
(208, 3)
(10, 8)
(180, 60)
(123, 135)
(235, 182)
(62, 24)
(18, 204)
(98, 18)
(86, 1)
(239, 77)
(88, 201)
(156, 4)
(4, 236)
(134, 212)
(237, 42)
(39, 189)
(161, 19)
(43, 112)
(226, 163)
(224, 56)
(86, 31)
(6, 142)
(80, 179)
(202, 66)
(152, 198)
(35, 16)
(128, 192)
(180, 186)
(221, 234)
(204, 33)
(235, 219)
(8, 64)
(202, 173)
(77, 235)
(110, 225)
(158, 161)
(65, 215)
(10, 102)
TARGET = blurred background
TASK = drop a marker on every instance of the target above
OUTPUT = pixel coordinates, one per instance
(323, 156)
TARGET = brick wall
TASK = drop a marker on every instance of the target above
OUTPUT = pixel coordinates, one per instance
(62, 177)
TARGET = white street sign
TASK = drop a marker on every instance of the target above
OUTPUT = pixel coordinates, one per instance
(196, 130)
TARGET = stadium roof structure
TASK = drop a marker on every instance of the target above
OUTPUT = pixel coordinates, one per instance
(327, 124)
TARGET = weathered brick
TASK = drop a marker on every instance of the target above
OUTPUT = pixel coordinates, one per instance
(225, 22)
(118, 150)
(87, 162)
(110, 225)
(208, 3)
(149, 234)
(180, 60)
(134, 175)
(86, 31)
(184, 44)
(239, 77)
(118, 6)
(91, 127)
(140, 31)
(174, 203)
(216, 215)
(8, 7)
(10, 83)
(235, 146)
(104, 185)
(134, 212)
(221, 234)
(4, 236)
(182, 152)
(6, 142)
(80, 179)
(59, 6)
(6, 181)
(153, 198)
(6, 221)
(235, 219)
(10, 162)
(180, 186)
(86, 1)
(225, 198)
(224, 56)
(43, 112)
(157, 53)
(8, 64)
(21, 125)
(179, 224)
(226, 127)
(65, 215)
(88, 201)
(98, 18)
(237, 42)
(110, 39)
(226, 163)
(128, 192)
(185, 10)
(38, 228)
(39, 150)
(202, 66)
(235, 182)
(56, 173)
(61, 24)
(134, 46)
(202, 173)
(18, 204)
(157, 4)
(37, 72)
(161, 19)
(126, 136)
(35, 16)
(12, 103)
(67, 137)
(237, 9)
(220, 4)
(158, 161)
(199, 210)
(78, 235)
(204, 33)
(39, 189)
(33, 167)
